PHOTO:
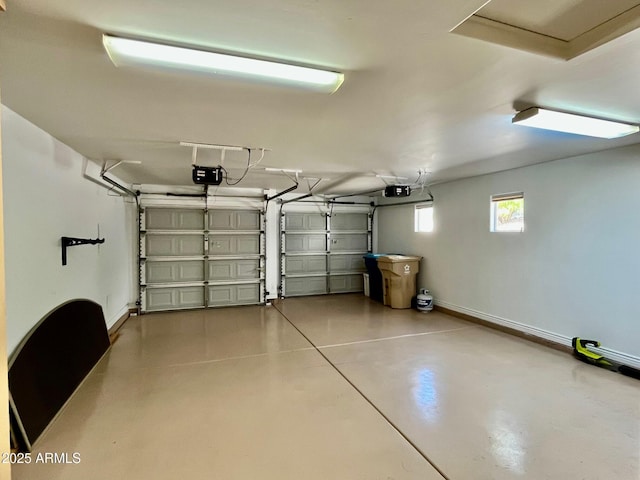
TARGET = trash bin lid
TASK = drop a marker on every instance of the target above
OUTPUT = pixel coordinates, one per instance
(399, 258)
(374, 255)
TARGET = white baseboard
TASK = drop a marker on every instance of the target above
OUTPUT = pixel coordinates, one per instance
(621, 357)
(113, 320)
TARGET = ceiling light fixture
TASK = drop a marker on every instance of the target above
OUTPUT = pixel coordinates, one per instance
(282, 170)
(392, 177)
(125, 52)
(571, 123)
(211, 146)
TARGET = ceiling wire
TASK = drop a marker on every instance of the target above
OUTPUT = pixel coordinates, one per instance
(421, 182)
(262, 150)
(246, 170)
(311, 187)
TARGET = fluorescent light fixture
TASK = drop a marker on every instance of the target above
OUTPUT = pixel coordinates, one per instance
(212, 146)
(392, 177)
(571, 123)
(128, 52)
(281, 170)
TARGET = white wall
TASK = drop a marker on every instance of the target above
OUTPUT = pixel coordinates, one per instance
(47, 197)
(575, 271)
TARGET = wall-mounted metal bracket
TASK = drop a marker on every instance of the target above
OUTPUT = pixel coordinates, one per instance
(71, 242)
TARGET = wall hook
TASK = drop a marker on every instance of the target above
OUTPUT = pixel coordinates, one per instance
(71, 242)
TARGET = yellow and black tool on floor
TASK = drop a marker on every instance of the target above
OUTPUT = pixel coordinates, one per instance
(581, 352)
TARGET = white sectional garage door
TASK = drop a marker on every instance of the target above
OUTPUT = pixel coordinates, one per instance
(196, 258)
(323, 254)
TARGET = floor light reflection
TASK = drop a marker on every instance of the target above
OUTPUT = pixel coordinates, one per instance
(425, 394)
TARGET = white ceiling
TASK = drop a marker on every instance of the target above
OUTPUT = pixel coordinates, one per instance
(414, 97)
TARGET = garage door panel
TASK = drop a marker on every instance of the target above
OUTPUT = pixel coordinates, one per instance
(305, 222)
(174, 219)
(248, 220)
(220, 270)
(234, 244)
(221, 220)
(338, 263)
(346, 263)
(174, 271)
(246, 269)
(248, 244)
(338, 284)
(158, 299)
(178, 262)
(346, 283)
(315, 222)
(169, 298)
(220, 295)
(294, 222)
(174, 245)
(349, 221)
(306, 243)
(305, 271)
(306, 264)
(294, 265)
(306, 286)
(316, 243)
(192, 297)
(190, 272)
(248, 293)
(357, 242)
(294, 243)
(234, 220)
(159, 272)
(221, 245)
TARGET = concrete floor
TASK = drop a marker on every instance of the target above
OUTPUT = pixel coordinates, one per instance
(243, 393)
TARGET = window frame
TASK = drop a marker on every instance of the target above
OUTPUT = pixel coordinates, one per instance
(494, 200)
(416, 220)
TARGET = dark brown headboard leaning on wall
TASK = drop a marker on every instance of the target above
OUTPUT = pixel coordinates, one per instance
(50, 363)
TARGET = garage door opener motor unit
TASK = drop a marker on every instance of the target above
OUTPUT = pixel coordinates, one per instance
(397, 191)
(207, 175)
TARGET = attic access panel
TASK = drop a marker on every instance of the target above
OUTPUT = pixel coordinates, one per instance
(558, 28)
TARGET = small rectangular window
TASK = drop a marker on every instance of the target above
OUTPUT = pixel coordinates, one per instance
(507, 212)
(424, 217)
